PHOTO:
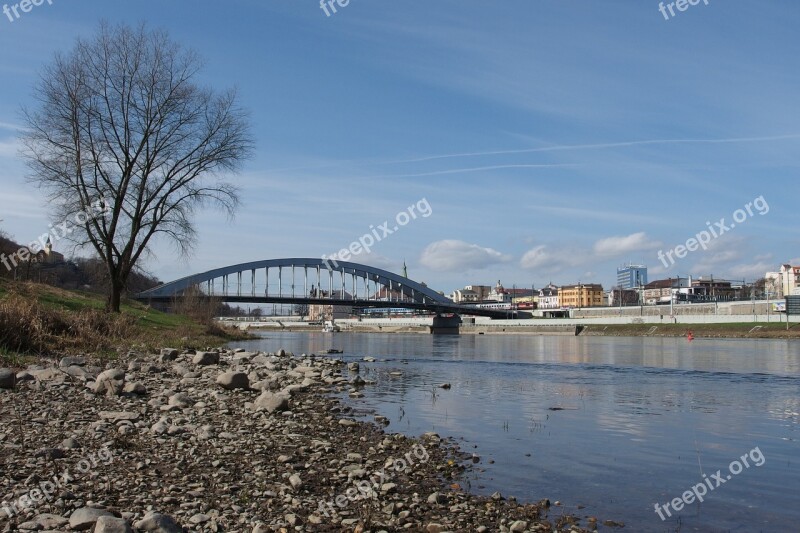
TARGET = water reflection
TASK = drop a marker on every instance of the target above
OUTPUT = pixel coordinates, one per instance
(613, 424)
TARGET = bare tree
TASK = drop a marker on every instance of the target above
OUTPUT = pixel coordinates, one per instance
(122, 127)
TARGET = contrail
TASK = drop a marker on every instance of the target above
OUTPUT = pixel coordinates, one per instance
(596, 146)
(469, 169)
(556, 148)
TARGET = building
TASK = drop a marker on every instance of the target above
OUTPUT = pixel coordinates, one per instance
(631, 276)
(461, 296)
(481, 290)
(581, 295)
(787, 279)
(322, 312)
(498, 294)
(622, 297)
(547, 298)
(706, 288)
(47, 256)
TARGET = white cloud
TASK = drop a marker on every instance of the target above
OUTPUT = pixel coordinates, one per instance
(548, 259)
(454, 255)
(749, 271)
(635, 242)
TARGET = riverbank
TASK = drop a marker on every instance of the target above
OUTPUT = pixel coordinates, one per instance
(743, 330)
(37, 318)
(225, 441)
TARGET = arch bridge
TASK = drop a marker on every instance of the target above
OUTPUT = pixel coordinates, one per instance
(312, 281)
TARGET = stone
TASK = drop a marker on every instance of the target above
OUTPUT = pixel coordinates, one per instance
(44, 521)
(295, 481)
(85, 517)
(199, 518)
(519, 525)
(78, 372)
(435, 528)
(110, 382)
(46, 374)
(437, 498)
(168, 354)
(67, 362)
(110, 524)
(112, 374)
(180, 399)
(116, 416)
(271, 402)
(8, 379)
(136, 389)
(206, 358)
(233, 380)
(71, 443)
(159, 523)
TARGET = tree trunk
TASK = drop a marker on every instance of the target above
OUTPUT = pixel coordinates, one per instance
(114, 296)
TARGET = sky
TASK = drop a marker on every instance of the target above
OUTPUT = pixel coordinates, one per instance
(538, 141)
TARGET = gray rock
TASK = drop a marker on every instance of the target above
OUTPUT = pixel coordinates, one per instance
(271, 402)
(67, 362)
(110, 524)
(437, 498)
(112, 374)
(206, 358)
(199, 518)
(233, 380)
(116, 416)
(46, 374)
(85, 517)
(180, 399)
(519, 525)
(160, 427)
(24, 375)
(71, 443)
(136, 389)
(168, 354)
(295, 481)
(78, 372)
(44, 521)
(7, 378)
(159, 523)
(110, 382)
(180, 370)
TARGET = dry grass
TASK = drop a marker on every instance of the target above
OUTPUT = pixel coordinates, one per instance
(29, 327)
(40, 320)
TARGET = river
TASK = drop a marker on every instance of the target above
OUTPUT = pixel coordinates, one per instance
(607, 426)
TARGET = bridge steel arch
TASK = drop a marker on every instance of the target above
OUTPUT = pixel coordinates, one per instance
(413, 292)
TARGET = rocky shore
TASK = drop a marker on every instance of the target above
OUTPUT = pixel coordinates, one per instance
(225, 440)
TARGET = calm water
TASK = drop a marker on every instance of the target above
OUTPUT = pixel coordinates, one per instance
(610, 425)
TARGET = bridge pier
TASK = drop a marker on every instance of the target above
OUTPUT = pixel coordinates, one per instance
(445, 325)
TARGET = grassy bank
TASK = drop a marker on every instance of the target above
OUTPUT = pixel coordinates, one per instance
(750, 330)
(38, 320)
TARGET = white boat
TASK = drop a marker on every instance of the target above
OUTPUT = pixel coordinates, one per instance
(330, 327)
